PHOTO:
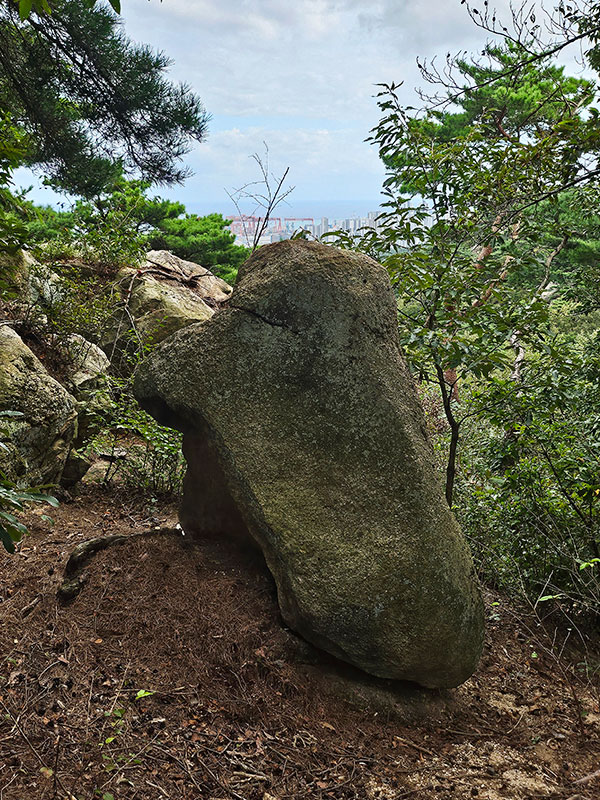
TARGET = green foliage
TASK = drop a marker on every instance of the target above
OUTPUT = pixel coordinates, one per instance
(13, 500)
(46, 224)
(576, 216)
(515, 97)
(143, 454)
(13, 148)
(529, 490)
(92, 102)
(487, 221)
(26, 7)
(129, 198)
(143, 693)
(120, 224)
(462, 247)
(109, 232)
(66, 300)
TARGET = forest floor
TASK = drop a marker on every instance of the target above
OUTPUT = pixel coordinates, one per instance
(171, 675)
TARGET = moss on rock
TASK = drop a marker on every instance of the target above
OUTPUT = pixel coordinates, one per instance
(303, 431)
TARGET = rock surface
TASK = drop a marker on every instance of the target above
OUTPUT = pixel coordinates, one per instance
(39, 441)
(86, 372)
(303, 431)
(202, 280)
(165, 294)
(87, 364)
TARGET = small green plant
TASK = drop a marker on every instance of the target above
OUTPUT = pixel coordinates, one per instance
(116, 717)
(112, 761)
(150, 454)
(13, 500)
(143, 693)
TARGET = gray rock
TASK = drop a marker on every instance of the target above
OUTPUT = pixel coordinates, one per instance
(87, 369)
(40, 439)
(203, 281)
(46, 289)
(303, 430)
(164, 295)
(87, 364)
(76, 466)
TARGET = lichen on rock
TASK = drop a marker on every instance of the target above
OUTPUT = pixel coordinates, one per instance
(40, 439)
(303, 431)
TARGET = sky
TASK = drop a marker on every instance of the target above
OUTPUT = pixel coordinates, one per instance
(298, 75)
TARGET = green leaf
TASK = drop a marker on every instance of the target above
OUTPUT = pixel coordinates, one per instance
(142, 693)
(25, 8)
(6, 540)
(116, 5)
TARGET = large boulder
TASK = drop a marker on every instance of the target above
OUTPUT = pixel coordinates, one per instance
(40, 438)
(303, 430)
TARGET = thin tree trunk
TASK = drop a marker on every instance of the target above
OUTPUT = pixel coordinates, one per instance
(451, 466)
(447, 397)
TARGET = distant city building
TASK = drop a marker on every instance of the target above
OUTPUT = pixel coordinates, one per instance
(245, 228)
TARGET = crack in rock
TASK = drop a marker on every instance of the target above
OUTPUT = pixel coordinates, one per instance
(265, 319)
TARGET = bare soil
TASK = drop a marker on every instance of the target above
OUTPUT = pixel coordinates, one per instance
(171, 675)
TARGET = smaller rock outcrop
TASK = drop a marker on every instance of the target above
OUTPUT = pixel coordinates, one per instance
(86, 369)
(40, 439)
(163, 295)
(199, 279)
(86, 364)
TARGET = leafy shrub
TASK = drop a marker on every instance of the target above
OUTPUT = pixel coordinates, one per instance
(69, 300)
(528, 492)
(142, 453)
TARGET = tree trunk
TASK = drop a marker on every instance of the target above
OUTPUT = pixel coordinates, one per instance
(448, 394)
(451, 466)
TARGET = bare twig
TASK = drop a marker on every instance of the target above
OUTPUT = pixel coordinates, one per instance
(587, 778)
(266, 199)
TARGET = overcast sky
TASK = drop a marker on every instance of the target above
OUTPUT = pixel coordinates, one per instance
(299, 75)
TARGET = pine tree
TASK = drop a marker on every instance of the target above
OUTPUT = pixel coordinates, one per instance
(92, 102)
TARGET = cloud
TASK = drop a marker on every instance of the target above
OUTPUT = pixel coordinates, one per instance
(300, 75)
(320, 161)
(313, 58)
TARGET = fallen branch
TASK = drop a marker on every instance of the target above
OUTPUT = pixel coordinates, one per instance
(587, 778)
(74, 578)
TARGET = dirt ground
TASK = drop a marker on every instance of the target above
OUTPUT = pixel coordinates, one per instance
(172, 676)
